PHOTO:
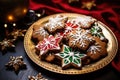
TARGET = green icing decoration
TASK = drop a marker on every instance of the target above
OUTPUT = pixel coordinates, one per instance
(97, 31)
(71, 56)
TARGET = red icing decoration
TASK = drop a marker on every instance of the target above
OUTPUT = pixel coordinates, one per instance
(69, 27)
(50, 43)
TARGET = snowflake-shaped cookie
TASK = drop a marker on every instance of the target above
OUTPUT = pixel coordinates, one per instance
(80, 39)
(70, 57)
(55, 23)
(50, 43)
(84, 21)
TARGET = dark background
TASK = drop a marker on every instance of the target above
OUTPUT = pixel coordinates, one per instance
(107, 73)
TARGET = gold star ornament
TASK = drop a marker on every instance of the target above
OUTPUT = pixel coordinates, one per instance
(88, 5)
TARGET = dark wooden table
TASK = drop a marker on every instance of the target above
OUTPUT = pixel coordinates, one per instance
(107, 73)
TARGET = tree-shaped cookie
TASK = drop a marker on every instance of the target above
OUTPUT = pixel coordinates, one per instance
(97, 32)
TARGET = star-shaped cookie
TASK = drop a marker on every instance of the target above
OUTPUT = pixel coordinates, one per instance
(50, 43)
(70, 57)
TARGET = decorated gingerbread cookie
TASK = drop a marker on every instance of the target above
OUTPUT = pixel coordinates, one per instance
(39, 33)
(83, 21)
(55, 23)
(97, 50)
(97, 31)
(50, 57)
(48, 44)
(80, 39)
(69, 26)
(70, 42)
(70, 57)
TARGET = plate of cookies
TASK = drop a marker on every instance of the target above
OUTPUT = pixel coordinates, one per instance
(70, 43)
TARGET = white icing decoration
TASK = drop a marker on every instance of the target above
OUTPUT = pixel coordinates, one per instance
(80, 36)
(83, 20)
(94, 48)
(102, 38)
(70, 26)
(70, 56)
(50, 43)
(41, 31)
(96, 31)
(55, 22)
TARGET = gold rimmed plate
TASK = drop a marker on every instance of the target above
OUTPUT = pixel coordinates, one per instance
(112, 49)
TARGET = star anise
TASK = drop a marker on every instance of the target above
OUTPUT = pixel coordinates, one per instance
(7, 43)
(16, 33)
(16, 63)
(37, 77)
